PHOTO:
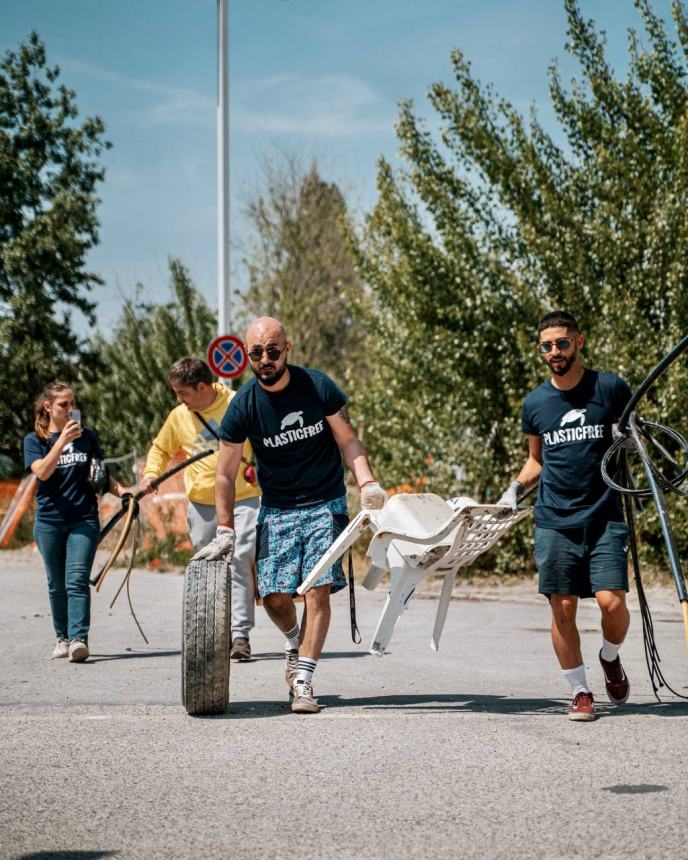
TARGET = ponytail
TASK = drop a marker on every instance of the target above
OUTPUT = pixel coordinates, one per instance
(42, 416)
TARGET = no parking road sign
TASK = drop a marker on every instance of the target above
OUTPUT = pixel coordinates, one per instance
(226, 356)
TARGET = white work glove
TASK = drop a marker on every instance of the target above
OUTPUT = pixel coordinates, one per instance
(373, 497)
(222, 546)
(509, 497)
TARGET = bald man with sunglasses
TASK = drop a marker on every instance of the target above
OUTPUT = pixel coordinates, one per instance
(298, 424)
(580, 534)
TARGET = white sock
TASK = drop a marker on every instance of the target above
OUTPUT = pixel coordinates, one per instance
(609, 651)
(577, 680)
(292, 637)
(304, 672)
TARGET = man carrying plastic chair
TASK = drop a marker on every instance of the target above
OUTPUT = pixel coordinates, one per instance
(298, 424)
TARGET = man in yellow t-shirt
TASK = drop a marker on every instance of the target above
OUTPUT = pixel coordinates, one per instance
(193, 426)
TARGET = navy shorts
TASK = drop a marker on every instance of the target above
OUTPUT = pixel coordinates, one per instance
(582, 560)
(290, 543)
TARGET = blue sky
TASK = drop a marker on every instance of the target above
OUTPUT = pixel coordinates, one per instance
(313, 77)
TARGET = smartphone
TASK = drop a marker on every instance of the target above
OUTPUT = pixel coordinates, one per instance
(75, 415)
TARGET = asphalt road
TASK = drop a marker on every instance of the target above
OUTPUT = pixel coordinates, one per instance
(464, 753)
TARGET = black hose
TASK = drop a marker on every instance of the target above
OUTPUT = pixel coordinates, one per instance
(652, 377)
(636, 435)
(666, 482)
(652, 658)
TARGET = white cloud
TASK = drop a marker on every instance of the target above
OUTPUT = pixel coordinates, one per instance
(171, 105)
(327, 105)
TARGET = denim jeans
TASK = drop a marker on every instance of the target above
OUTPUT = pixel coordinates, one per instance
(68, 551)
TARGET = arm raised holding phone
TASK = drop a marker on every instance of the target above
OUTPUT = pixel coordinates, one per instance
(63, 412)
(59, 452)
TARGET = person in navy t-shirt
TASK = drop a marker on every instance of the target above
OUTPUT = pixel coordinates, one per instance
(298, 424)
(66, 528)
(580, 534)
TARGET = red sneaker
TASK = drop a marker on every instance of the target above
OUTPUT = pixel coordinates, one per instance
(615, 680)
(583, 707)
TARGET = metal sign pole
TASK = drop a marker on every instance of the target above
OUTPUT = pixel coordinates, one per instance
(223, 166)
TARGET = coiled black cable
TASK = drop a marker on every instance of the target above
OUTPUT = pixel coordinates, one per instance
(644, 429)
(638, 436)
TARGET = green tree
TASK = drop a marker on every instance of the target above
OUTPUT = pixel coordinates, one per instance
(492, 223)
(300, 268)
(49, 170)
(125, 394)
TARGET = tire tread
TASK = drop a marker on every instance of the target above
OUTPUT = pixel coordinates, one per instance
(206, 637)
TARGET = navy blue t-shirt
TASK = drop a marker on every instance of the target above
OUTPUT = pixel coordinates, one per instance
(576, 431)
(298, 460)
(66, 496)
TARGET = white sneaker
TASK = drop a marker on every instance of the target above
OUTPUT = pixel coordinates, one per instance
(292, 664)
(303, 701)
(78, 651)
(61, 649)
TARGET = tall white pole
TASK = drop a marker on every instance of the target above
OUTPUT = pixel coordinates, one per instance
(223, 321)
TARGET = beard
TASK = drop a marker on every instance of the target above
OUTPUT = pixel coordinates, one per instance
(563, 365)
(269, 375)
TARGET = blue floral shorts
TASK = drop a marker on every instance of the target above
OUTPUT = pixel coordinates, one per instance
(290, 543)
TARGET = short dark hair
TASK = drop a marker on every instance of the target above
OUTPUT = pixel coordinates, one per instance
(558, 319)
(190, 371)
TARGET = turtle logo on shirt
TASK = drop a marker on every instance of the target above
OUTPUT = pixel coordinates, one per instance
(292, 418)
(294, 434)
(69, 456)
(574, 415)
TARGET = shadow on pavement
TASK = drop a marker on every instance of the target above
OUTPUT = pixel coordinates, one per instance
(250, 710)
(326, 655)
(642, 788)
(451, 704)
(466, 703)
(65, 855)
(129, 655)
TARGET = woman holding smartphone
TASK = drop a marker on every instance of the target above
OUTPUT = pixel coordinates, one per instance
(59, 453)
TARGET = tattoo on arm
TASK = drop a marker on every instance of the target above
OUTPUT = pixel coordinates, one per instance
(344, 414)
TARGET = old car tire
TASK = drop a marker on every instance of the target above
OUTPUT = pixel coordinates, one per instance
(206, 617)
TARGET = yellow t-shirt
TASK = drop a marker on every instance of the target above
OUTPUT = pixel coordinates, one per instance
(182, 429)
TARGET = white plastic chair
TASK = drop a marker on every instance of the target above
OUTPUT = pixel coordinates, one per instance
(416, 536)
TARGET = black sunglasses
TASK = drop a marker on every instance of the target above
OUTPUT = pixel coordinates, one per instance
(561, 344)
(272, 352)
